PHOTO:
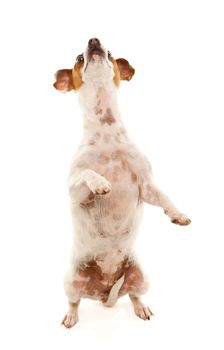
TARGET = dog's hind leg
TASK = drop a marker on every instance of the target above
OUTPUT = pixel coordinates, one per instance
(74, 297)
(135, 284)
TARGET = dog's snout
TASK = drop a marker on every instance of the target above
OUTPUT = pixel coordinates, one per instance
(94, 42)
(95, 52)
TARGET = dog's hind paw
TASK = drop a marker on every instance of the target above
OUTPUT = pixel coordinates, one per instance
(143, 312)
(69, 320)
(181, 219)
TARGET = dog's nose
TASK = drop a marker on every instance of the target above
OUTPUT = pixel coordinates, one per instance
(94, 42)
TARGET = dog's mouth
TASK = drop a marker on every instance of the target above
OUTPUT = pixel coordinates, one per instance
(95, 52)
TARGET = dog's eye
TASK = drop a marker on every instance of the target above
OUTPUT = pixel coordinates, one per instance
(109, 54)
(80, 58)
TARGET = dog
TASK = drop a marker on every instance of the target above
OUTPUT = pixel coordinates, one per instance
(109, 181)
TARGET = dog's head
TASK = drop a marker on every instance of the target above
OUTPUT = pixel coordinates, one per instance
(96, 64)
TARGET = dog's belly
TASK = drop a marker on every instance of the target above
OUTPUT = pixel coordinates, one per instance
(106, 229)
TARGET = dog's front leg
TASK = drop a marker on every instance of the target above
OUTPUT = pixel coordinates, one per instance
(152, 195)
(84, 185)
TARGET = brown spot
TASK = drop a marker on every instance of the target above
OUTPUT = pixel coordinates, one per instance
(108, 117)
(104, 234)
(92, 142)
(133, 177)
(103, 158)
(98, 110)
(117, 155)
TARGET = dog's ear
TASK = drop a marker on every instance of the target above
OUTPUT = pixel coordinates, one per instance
(64, 80)
(126, 70)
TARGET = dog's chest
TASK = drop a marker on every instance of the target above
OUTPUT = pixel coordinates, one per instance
(111, 217)
(117, 166)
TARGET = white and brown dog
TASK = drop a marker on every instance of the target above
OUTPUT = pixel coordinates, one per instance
(108, 183)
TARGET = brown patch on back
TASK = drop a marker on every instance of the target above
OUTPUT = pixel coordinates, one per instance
(108, 117)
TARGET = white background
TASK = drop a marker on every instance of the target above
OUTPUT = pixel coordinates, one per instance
(173, 109)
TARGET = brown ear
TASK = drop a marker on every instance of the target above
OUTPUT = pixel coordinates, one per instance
(126, 70)
(64, 80)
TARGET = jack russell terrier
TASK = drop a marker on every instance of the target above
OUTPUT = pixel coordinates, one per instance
(108, 183)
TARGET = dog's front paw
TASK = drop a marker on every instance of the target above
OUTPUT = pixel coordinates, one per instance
(100, 186)
(181, 219)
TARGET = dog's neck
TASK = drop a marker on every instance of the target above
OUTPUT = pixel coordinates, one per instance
(100, 108)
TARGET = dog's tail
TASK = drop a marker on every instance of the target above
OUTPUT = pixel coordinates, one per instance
(112, 298)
